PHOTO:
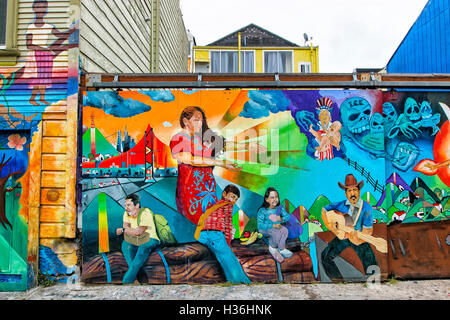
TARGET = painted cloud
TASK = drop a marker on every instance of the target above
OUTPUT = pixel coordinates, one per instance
(160, 95)
(112, 103)
(264, 102)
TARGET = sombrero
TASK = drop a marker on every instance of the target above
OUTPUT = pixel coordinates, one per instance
(351, 182)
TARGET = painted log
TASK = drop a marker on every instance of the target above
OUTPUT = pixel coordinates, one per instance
(194, 263)
(259, 247)
(181, 254)
(299, 277)
(263, 268)
(205, 272)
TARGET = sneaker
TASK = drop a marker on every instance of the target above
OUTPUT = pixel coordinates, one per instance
(286, 253)
(276, 254)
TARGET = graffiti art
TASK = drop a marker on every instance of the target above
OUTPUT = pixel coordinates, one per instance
(244, 186)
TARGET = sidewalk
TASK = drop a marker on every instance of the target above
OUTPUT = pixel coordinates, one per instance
(395, 290)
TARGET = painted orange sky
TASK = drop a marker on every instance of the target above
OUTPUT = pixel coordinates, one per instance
(442, 151)
(214, 102)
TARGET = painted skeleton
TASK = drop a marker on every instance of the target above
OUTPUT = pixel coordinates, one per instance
(429, 120)
(413, 119)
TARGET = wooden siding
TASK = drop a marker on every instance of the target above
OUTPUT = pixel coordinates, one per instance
(174, 46)
(58, 16)
(115, 36)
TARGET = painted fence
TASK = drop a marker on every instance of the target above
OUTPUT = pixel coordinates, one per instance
(310, 166)
(38, 127)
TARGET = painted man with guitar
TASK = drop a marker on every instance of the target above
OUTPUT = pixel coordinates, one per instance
(351, 221)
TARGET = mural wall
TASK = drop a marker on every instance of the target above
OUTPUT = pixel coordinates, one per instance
(251, 186)
(38, 116)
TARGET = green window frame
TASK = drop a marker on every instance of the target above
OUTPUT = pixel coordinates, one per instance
(9, 51)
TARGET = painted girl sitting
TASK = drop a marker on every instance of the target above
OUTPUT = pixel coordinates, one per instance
(270, 217)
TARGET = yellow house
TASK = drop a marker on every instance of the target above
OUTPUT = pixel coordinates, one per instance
(253, 49)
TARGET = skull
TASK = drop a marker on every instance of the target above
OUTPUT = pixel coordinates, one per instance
(390, 115)
(425, 109)
(355, 114)
(376, 124)
(412, 110)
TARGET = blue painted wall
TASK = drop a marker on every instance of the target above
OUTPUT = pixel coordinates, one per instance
(426, 47)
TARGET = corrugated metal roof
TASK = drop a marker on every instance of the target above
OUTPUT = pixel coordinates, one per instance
(425, 47)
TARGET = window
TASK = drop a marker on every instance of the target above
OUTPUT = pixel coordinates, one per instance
(277, 61)
(227, 61)
(304, 67)
(8, 32)
(247, 61)
(224, 61)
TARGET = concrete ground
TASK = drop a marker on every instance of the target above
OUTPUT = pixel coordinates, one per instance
(392, 290)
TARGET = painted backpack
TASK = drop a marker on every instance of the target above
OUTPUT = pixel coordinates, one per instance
(163, 231)
(293, 226)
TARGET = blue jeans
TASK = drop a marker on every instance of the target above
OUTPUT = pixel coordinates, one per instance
(136, 257)
(216, 242)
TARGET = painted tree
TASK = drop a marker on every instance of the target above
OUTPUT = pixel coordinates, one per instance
(14, 153)
(13, 164)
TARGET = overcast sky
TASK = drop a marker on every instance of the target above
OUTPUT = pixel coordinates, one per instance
(350, 33)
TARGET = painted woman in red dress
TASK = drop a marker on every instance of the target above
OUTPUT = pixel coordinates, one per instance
(196, 148)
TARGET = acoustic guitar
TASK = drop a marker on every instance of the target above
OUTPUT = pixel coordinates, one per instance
(341, 225)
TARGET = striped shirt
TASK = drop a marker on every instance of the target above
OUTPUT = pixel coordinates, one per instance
(221, 220)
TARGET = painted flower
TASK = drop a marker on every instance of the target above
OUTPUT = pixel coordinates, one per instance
(16, 142)
(208, 196)
(198, 175)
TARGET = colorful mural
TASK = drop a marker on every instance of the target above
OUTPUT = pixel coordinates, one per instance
(38, 96)
(256, 185)
(14, 147)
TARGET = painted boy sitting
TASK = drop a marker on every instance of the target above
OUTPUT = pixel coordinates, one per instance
(215, 230)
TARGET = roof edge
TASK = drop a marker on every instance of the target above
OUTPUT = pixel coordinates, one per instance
(254, 25)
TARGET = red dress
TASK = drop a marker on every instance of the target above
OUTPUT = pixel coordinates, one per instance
(196, 187)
